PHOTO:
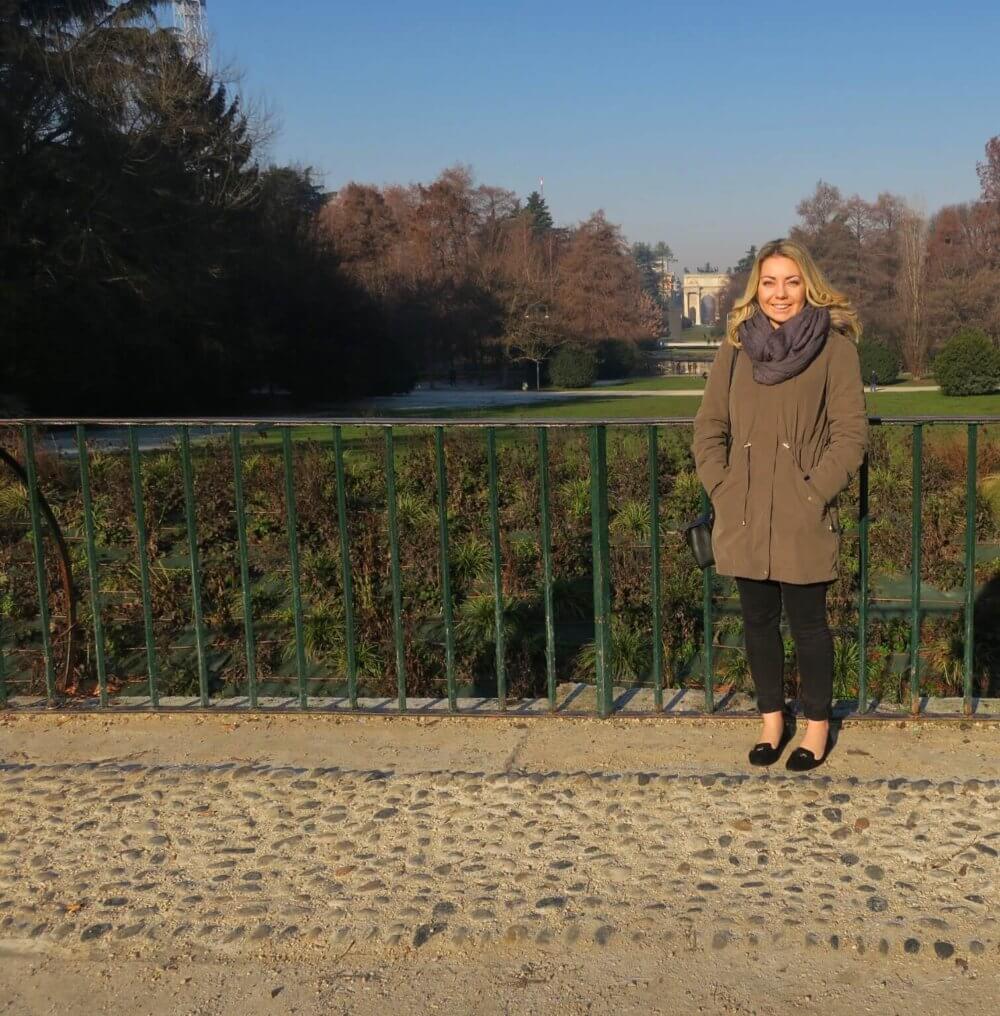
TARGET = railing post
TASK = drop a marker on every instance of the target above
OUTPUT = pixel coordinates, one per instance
(707, 624)
(446, 604)
(345, 568)
(192, 534)
(970, 565)
(546, 534)
(95, 581)
(601, 558)
(140, 539)
(40, 574)
(241, 533)
(654, 545)
(915, 566)
(293, 560)
(863, 522)
(498, 598)
(397, 590)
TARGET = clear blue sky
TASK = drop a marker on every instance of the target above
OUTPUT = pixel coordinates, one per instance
(702, 125)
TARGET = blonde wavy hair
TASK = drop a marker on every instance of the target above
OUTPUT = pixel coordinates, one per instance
(819, 292)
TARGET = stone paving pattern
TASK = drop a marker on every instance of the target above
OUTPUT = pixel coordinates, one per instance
(134, 858)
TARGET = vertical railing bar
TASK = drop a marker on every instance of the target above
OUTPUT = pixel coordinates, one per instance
(446, 604)
(707, 626)
(83, 458)
(654, 546)
(970, 566)
(547, 587)
(498, 601)
(40, 574)
(291, 515)
(345, 567)
(192, 534)
(249, 637)
(863, 564)
(915, 567)
(147, 601)
(397, 590)
(601, 563)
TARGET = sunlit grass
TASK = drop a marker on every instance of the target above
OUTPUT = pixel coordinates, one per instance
(587, 408)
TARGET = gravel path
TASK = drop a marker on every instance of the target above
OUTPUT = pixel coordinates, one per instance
(536, 889)
(230, 856)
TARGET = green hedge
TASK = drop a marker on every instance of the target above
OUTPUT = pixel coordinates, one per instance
(617, 358)
(878, 359)
(968, 364)
(574, 366)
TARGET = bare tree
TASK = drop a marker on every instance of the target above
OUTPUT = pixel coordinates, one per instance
(911, 289)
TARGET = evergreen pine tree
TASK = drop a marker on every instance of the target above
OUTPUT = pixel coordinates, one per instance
(539, 212)
(745, 263)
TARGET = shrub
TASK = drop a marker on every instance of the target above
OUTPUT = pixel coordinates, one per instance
(878, 359)
(617, 358)
(968, 364)
(574, 366)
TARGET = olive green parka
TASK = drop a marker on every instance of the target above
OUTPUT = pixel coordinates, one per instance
(774, 458)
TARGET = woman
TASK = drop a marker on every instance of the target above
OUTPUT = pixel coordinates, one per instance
(774, 451)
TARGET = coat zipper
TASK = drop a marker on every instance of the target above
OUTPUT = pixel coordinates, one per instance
(746, 497)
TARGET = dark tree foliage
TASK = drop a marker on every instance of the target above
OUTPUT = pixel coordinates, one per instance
(878, 360)
(146, 263)
(745, 264)
(574, 366)
(540, 215)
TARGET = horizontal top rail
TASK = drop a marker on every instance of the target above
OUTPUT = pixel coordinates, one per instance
(426, 421)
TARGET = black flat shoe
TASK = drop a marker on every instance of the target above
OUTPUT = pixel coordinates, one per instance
(764, 754)
(802, 759)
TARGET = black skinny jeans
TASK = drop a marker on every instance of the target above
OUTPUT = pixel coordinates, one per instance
(805, 606)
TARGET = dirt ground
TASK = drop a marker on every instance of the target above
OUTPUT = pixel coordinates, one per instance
(768, 984)
(660, 968)
(922, 749)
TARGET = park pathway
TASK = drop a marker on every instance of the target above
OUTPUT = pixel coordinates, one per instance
(161, 860)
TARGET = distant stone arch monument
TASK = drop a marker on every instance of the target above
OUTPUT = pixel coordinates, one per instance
(702, 293)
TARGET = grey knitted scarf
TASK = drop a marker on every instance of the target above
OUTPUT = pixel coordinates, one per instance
(780, 353)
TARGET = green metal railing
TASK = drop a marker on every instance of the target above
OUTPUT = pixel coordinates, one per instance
(600, 553)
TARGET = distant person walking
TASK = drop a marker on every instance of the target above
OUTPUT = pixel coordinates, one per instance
(874, 380)
(774, 450)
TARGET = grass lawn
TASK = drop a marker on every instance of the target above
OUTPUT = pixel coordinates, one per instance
(590, 407)
(880, 404)
(696, 333)
(680, 381)
(585, 408)
(695, 381)
(889, 403)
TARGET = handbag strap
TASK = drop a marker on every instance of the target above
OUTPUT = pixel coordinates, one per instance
(729, 394)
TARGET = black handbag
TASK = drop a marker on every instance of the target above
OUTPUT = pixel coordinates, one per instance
(699, 538)
(699, 533)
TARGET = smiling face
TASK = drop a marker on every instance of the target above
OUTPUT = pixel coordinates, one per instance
(781, 293)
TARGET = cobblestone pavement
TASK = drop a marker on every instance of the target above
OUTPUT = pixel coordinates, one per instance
(135, 860)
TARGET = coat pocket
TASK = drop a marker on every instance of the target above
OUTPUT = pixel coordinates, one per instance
(721, 485)
(811, 499)
(731, 496)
